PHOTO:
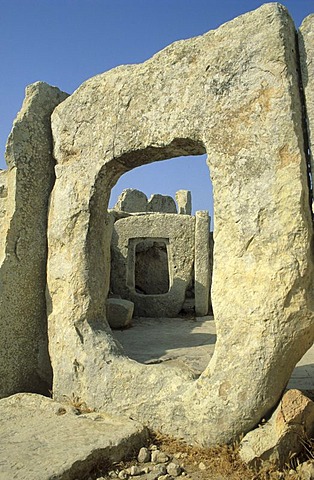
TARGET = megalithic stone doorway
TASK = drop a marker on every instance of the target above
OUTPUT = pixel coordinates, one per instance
(234, 94)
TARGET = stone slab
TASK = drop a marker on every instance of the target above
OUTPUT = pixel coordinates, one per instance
(43, 440)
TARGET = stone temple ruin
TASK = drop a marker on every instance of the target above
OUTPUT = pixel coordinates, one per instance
(246, 103)
(161, 261)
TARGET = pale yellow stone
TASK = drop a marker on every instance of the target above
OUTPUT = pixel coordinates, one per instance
(233, 93)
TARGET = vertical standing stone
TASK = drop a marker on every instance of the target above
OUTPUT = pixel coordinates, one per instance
(184, 201)
(306, 48)
(202, 262)
(24, 194)
(161, 204)
(132, 201)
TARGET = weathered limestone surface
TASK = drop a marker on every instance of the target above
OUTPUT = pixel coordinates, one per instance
(291, 424)
(238, 101)
(178, 233)
(161, 203)
(119, 312)
(202, 263)
(24, 191)
(184, 201)
(306, 47)
(131, 200)
(42, 439)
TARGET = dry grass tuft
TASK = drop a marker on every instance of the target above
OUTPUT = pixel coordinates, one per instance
(224, 463)
(78, 404)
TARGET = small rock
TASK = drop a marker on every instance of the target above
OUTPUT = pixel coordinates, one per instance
(173, 469)
(165, 477)
(153, 476)
(147, 469)
(159, 457)
(112, 474)
(160, 468)
(143, 455)
(202, 466)
(153, 447)
(135, 470)
(123, 475)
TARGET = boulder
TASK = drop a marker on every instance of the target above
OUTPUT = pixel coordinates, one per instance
(119, 312)
(284, 434)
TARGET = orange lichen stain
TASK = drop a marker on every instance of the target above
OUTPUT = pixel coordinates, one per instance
(224, 389)
(285, 157)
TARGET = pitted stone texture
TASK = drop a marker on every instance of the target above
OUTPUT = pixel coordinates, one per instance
(25, 190)
(161, 204)
(290, 425)
(238, 101)
(42, 439)
(306, 48)
(119, 312)
(175, 231)
(131, 200)
(184, 201)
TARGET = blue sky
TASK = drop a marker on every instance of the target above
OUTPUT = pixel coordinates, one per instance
(65, 42)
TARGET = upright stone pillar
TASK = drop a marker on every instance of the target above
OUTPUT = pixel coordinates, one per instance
(24, 191)
(184, 201)
(202, 262)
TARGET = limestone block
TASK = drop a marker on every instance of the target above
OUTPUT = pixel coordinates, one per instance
(173, 231)
(119, 312)
(306, 48)
(42, 439)
(24, 192)
(202, 263)
(239, 102)
(131, 200)
(161, 203)
(291, 424)
(184, 201)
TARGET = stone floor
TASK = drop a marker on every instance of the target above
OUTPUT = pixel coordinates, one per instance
(154, 340)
